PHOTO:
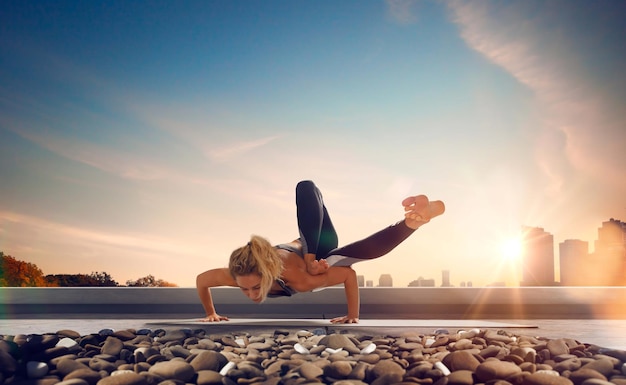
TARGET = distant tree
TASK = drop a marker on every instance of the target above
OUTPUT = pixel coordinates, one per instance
(81, 280)
(14, 273)
(149, 281)
(103, 279)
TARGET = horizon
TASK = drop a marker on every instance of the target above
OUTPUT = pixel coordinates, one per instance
(156, 137)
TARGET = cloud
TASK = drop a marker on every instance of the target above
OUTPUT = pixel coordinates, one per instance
(536, 45)
(402, 11)
(106, 159)
(230, 151)
(42, 229)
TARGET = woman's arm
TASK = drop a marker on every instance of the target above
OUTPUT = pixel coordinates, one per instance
(204, 282)
(333, 276)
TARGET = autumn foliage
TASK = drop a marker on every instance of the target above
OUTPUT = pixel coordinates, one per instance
(16, 273)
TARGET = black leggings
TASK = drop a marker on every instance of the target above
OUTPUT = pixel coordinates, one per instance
(318, 235)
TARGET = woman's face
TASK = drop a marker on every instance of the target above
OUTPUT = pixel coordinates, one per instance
(250, 285)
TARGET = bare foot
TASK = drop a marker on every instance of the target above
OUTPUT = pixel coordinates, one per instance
(418, 210)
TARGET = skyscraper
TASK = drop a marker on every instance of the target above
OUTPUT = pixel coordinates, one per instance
(537, 257)
(445, 278)
(609, 257)
(573, 261)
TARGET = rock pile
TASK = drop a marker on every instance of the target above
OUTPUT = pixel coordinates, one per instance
(170, 357)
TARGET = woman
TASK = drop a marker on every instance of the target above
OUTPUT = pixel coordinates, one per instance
(313, 261)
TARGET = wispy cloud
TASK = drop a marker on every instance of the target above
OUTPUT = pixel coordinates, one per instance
(231, 150)
(104, 158)
(402, 11)
(58, 231)
(533, 47)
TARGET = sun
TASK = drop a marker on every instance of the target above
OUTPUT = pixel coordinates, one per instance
(511, 248)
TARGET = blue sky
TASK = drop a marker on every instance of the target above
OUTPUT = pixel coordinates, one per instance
(155, 137)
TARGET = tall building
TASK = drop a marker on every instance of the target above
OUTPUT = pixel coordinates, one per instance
(609, 257)
(537, 257)
(385, 280)
(445, 278)
(360, 280)
(573, 261)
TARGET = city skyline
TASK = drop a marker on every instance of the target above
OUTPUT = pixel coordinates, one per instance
(154, 138)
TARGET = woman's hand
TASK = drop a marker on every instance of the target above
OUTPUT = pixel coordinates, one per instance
(214, 318)
(345, 320)
(315, 267)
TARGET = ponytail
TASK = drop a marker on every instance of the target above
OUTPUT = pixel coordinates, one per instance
(257, 257)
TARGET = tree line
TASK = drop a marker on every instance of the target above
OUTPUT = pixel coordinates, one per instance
(16, 273)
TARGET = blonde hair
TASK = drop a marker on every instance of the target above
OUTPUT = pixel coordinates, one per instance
(257, 257)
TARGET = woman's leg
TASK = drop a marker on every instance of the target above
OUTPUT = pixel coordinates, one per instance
(317, 233)
(418, 211)
(374, 246)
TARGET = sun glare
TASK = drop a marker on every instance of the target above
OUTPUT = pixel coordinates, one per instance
(511, 249)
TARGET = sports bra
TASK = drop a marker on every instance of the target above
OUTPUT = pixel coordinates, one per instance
(286, 290)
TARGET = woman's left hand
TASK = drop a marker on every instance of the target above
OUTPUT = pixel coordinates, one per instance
(345, 320)
(317, 267)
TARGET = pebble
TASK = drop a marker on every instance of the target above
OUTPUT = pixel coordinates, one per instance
(185, 356)
(36, 369)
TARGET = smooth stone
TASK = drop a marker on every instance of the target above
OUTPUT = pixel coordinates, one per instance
(571, 364)
(124, 335)
(8, 364)
(557, 347)
(35, 369)
(461, 377)
(441, 366)
(495, 369)
(68, 365)
(176, 336)
(386, 366)
(310, 371)
(261, 346)
(545, 379)
(528, 354)
(208, 360)
(227, 368)
(175, 370)
(369, 349)
(91, 376)
(101, 364)
(112, 345)
(337, 341)
(596, 381)
(603, 366)
(67, 342)
(209, 377)
(461, 360)
(68, 333)
(582, 374)
(338, 370)
(492, 335)
(179, 351)
(388, 379)
(410, 346)
(301, 349)
(106, 332)
(359, 371)
(72, 381)
(127, 378)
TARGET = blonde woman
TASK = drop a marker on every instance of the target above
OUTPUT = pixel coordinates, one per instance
(313, 261)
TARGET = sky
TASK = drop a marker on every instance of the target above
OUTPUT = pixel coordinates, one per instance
(154, 137)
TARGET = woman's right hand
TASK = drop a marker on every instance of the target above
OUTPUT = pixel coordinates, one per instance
(214, 318)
